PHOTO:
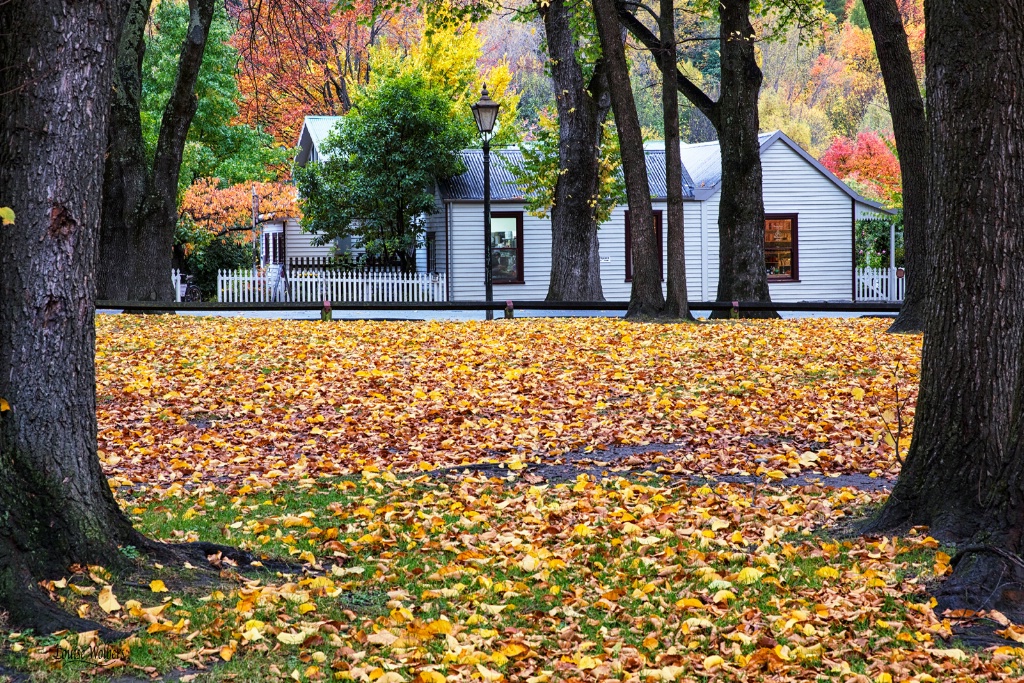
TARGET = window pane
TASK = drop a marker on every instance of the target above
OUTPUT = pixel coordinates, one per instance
(778, 246)
(504, 249)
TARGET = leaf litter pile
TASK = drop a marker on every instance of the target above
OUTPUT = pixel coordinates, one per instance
(696, 530)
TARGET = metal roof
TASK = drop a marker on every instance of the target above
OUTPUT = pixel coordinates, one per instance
(702, 167)
(470, 185)
(315, 130)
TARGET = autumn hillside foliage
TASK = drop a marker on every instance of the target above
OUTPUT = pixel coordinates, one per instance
(869, 165)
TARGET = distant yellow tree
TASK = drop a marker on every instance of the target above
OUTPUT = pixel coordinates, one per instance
(447, 55)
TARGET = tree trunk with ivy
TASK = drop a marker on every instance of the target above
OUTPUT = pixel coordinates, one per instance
(139, 194)
(646, 298)
(911, 131)
(582, 109)
(964, 472)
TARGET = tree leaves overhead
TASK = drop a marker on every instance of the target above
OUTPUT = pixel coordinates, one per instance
(216, 146)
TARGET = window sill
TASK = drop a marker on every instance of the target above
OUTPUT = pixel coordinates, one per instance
(508, 282)
(780, 280)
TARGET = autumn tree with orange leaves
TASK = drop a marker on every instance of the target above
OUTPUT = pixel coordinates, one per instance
(301, 57)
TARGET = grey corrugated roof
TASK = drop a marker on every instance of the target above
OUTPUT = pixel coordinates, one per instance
(470, 185)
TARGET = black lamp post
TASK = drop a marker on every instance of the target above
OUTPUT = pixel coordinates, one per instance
(485, 112)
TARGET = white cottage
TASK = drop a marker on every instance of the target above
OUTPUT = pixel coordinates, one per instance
(809, 226)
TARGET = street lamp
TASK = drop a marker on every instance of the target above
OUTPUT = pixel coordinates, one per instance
(485, 111)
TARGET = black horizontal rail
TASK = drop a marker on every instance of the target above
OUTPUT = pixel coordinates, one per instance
(751, 306)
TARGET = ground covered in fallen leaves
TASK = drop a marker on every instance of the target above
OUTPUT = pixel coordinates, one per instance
(524, 501)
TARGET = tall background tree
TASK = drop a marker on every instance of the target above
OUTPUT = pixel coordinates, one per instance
(646, 298)
(140, 191)
(56, 508)
(964, 472)
(910, 129)
(676, 301)
(582, 102)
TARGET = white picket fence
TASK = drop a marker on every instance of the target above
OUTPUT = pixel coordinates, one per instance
(880, 284)
(256, 285)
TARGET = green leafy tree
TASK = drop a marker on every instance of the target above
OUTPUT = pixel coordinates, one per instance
(214, 148)
(541, 169)
(376, 182)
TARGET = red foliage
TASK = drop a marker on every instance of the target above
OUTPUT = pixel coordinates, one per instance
(301, 57)
(868, 163)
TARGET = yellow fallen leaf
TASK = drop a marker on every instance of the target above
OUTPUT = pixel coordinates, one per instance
(4, 405)
(291, 638)
(713, 661)
(529, 563)
(157, 586)
(384, 638)
(858, 393)
(724, 596)
(749, 575)
(432, 677)
(827, 573)
(108, 603)
(517, 465)
(488, 674)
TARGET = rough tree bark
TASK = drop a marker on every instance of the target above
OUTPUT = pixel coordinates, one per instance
(908, 121)
(55, 506)
(139, 196)
(676, 302)
(964, 472)
(742, 275)
(741, 266)
(646, 298)
(582, 110)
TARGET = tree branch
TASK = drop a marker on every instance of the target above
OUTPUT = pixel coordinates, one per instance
(687, 88)
(182, 105)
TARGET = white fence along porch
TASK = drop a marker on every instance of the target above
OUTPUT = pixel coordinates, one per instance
(880, 284)
(256, 285)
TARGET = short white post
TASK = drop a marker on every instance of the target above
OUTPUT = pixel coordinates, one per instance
(892, 261)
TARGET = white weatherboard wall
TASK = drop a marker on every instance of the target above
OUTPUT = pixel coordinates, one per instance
(297, 243)
(466, 243)
(824, 226)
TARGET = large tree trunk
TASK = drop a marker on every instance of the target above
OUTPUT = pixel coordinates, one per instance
(582, 109)
(56, 508)
(964, 473)
(909, 126)
(646, 298)
(742, 275)
(676, 302)
(140, 197)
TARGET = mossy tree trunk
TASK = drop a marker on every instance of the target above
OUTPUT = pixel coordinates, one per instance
(964, 472)
(56, 508)
(139, 194)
